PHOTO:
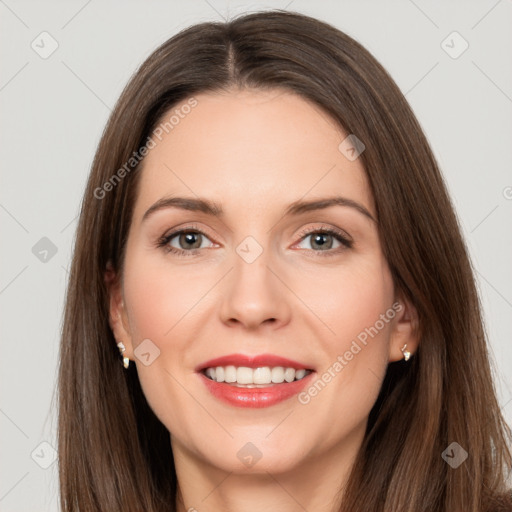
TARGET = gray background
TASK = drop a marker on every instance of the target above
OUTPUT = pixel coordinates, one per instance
(53, 111)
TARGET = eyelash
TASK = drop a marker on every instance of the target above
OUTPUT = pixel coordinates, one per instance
(339, 235)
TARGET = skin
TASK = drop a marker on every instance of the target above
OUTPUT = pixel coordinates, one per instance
(255, 152)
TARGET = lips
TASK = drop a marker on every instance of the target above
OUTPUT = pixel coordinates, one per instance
(254, 396)
(257, 361)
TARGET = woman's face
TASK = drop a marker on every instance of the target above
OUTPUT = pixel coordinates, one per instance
(257, 280)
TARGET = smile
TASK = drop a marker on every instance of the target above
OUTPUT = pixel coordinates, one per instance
(254, 381)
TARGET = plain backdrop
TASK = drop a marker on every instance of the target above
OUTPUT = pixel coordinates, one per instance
(452, 60)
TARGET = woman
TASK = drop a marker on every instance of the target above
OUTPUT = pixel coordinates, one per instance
(319, 345)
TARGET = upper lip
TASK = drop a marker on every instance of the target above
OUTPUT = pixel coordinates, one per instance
(256, 361)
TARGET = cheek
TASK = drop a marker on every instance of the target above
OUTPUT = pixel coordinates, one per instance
(355, 303)
(357, 309)
(349, 300)
(160, 302)
(158, 296)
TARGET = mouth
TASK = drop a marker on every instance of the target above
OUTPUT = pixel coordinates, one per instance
(254, 381)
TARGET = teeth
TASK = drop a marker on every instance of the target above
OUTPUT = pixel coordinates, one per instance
(278, 374)
(299, 374)
(262, 375)
(244, 375)
(249, 376)
(290, 373)
(230, 374)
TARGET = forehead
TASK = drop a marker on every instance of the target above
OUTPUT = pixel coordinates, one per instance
(250, 149)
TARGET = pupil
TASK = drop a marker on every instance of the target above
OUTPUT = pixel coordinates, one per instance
(189, 239)
(320, 236)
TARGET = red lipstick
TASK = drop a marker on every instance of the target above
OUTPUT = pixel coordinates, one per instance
(255, 397)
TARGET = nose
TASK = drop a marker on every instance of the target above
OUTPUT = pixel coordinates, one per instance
(255, 294)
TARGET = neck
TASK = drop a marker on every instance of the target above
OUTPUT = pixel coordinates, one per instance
(316, 483)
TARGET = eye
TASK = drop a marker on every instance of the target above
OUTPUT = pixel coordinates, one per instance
(323, 239)
(183, 242)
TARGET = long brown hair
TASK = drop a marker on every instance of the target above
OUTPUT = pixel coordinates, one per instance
(114, 454)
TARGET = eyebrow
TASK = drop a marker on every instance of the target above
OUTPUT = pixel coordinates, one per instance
(214, 209)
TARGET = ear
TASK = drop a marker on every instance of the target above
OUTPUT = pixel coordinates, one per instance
(118, 318)
(405, 329)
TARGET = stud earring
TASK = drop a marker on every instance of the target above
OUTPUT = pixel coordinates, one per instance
(406, 353)
(122, 348)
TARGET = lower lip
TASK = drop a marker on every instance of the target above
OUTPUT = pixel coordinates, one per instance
(255, 397)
